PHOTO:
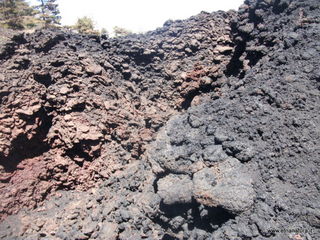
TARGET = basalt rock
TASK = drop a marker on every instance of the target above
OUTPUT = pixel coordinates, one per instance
(206, 128)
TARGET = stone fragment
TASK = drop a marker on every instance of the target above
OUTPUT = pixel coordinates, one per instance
(64, 90)
(194, 44)
(89, 228)
(175, 189)
(67, 117)
(83, 128)
(108, 65)
(227, 184)
(213, 154)
(93, 69)
(26, 112)
(220, 136)
(149, 203)
(108, 231)
(248, 28)
(223, 49)
(195, 121)
(240, 150)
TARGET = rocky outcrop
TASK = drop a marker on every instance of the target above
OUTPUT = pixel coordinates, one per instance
(206, 128)
(86, 106)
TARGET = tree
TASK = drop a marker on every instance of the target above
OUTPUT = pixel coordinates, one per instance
(85, 25)
(15, 14)
(49, 12)
(121, 32)
(104, 31)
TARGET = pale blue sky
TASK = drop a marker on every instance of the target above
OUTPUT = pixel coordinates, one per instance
(137, 15)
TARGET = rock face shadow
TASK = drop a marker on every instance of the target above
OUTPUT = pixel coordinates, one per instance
(23, 148)
(193, 216)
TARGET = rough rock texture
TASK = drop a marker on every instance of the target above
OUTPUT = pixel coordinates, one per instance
(207, 128)
(175, 189)
(226, 185)
(77, 108)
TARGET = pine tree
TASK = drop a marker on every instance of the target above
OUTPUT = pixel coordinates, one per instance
(13, 13)
(49, 12)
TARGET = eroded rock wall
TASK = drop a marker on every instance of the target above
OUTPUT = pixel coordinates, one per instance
(79, 108)
(207, 128)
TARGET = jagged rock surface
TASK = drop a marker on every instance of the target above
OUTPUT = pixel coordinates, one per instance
(89, 116)
(78, 108)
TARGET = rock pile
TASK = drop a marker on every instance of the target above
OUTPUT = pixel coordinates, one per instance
(86, 106)
(207, 128)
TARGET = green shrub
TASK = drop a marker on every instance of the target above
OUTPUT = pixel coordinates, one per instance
(85, 25)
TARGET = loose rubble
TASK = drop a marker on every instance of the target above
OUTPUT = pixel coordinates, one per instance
(206, 128)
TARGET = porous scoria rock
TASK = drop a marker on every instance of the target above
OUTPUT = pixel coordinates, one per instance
(254, 108)
(87, 105)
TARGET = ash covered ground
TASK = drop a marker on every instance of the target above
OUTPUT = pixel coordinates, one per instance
(206, 128)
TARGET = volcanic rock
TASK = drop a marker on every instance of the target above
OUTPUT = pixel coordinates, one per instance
(206, 128)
